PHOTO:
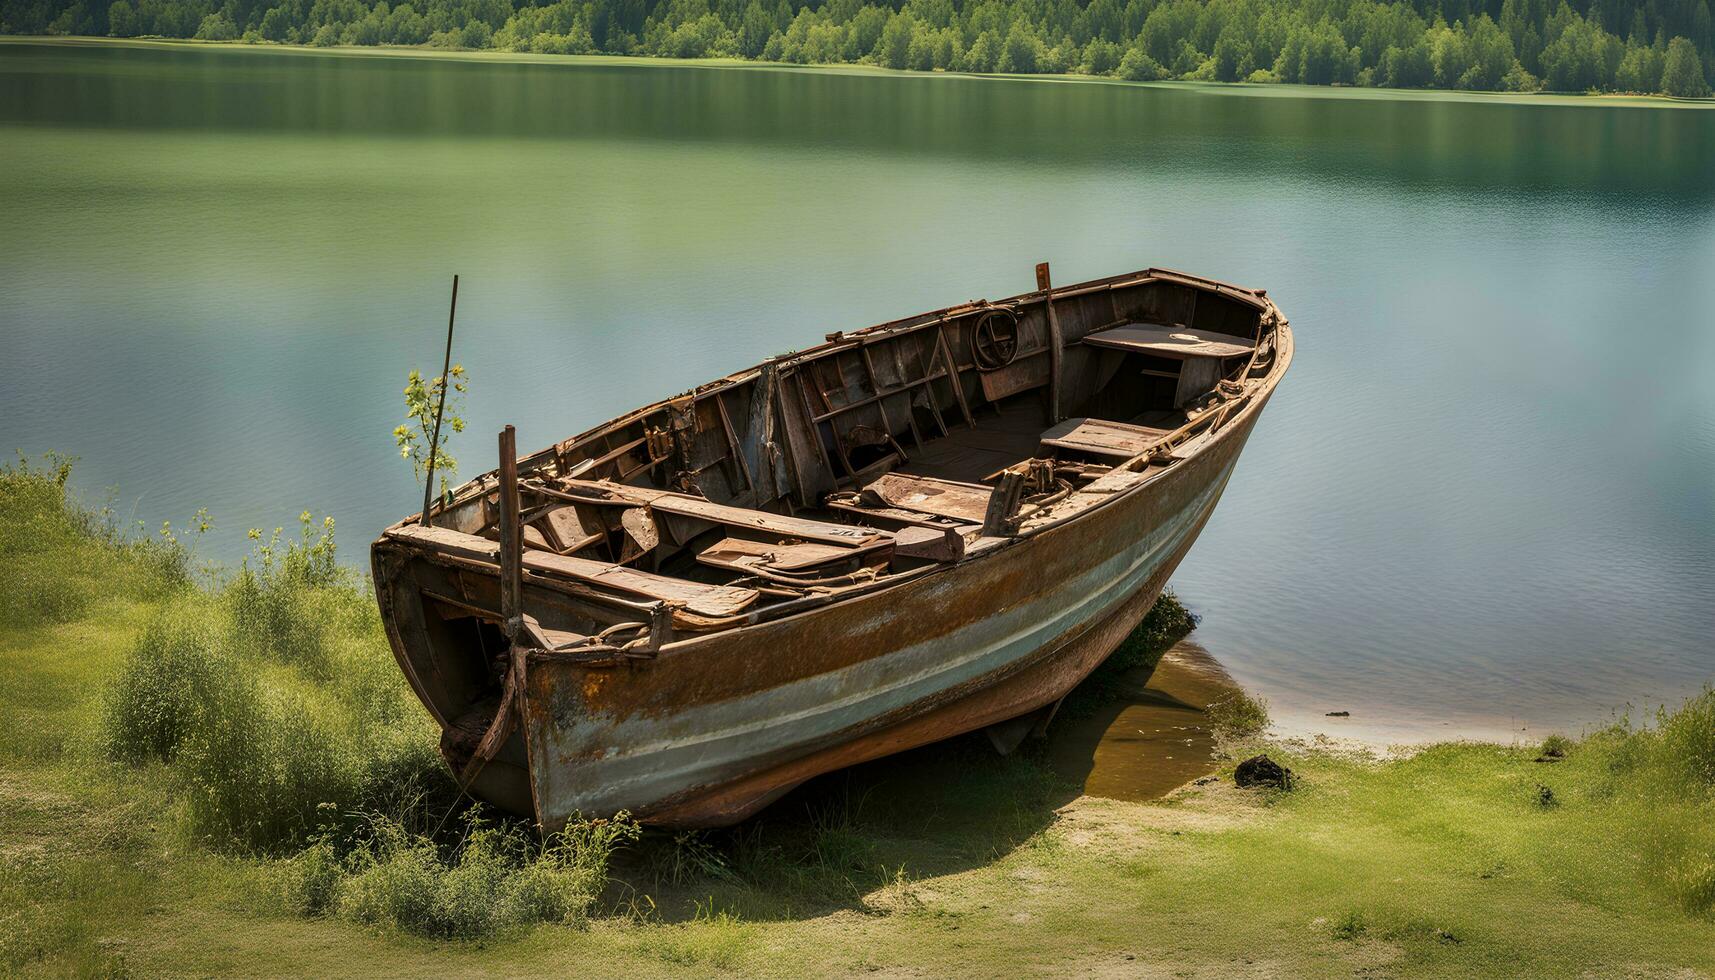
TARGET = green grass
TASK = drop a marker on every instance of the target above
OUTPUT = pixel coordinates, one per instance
(151, 822)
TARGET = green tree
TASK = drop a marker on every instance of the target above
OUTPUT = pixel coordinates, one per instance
(217, 27)
(1682, 71)
(122, 19)
(276, 23)
(893, 50)
(1233, 60)
(754, 30)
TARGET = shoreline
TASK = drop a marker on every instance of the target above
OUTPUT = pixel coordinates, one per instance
(1232, 89)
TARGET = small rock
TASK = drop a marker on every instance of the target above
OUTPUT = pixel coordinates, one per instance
(1260, 770)
(1338, 714)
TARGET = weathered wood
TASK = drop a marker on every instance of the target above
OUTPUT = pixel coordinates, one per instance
(685, 505)
(511, 540)
(1028, 370)
(641, 535)
(1169, 341)
(935, 544)
(706, 600)
(1103, 438)
(735, 451)
(953, 376)
(925, 494)
(998, 519)
(787, 556)
(572, 533)
(1056, 341)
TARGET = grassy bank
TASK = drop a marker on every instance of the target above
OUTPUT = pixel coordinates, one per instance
(224, 774)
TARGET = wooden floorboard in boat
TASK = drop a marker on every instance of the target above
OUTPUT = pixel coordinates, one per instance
(1000, 439)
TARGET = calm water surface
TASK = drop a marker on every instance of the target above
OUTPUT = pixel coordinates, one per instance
(1483, 500)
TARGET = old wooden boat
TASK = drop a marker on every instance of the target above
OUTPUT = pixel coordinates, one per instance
(924, 528)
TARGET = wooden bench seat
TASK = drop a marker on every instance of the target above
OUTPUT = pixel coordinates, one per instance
(1099, 437)
(714, 601)
(685, 505)
(1169, 341)
(789, 557)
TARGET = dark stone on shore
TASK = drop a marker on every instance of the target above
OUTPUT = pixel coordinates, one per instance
(1260, 770)
(1339, 714)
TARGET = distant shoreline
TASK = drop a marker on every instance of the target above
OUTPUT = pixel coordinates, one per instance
(1240, 89)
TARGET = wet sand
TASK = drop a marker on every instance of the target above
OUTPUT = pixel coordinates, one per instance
(1151, 740)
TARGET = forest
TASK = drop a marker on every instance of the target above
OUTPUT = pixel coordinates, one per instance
(1634, 46)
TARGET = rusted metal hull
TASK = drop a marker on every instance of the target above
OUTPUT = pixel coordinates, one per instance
(1015, 632)
(722, 720)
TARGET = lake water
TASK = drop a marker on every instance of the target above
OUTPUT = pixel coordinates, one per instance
(1482, 501)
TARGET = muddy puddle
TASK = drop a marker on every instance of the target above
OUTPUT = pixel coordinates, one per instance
(1151, 739)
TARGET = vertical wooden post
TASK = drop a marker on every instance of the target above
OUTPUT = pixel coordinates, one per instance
(1055, 341)
(511, 539)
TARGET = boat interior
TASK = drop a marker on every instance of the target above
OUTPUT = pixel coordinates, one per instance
(877, 454)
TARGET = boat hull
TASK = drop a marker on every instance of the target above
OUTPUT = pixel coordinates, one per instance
(720, 726)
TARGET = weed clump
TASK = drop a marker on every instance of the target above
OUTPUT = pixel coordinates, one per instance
(1658, 784)
(1555, 747)
(1166, 623)
(273, 699)
(1238, 715)
(498, 877)
(172, 675)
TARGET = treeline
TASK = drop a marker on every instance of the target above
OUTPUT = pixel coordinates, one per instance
(1645, 46)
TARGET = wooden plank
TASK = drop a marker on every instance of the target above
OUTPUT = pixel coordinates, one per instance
(1056, 340)
(953, 375)
(945, 498)
(734, 449)
(714, 601)
(1028, 370)
(1168, 341)
(889, 516)
(686, 505)
(789, 556)
(571, 532)
(1103, 438)
(511, 539)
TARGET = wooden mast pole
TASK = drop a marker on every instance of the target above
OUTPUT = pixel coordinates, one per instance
(446, 382)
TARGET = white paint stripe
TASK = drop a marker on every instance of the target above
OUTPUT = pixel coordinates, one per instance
(650, 759)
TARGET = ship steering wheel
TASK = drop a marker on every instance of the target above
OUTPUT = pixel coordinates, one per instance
(994, 341)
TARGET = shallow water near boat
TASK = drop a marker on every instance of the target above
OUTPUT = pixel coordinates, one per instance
(1153, 737)
(1483, 504)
